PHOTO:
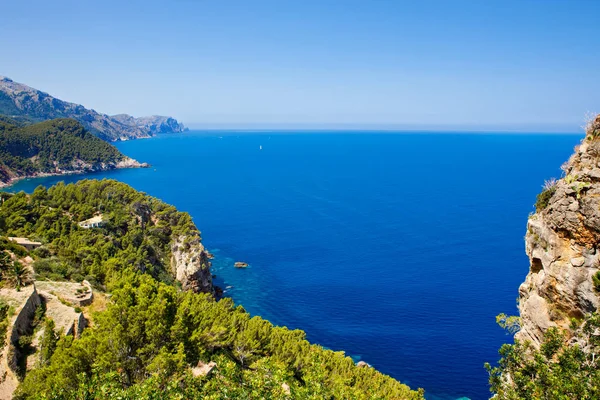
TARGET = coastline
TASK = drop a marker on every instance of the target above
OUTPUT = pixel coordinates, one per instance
(123, 164)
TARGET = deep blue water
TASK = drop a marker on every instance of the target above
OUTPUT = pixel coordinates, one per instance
(398, 248)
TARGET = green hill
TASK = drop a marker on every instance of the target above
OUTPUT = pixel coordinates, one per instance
(53, 147)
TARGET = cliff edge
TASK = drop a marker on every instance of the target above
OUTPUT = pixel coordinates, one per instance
(562, 243)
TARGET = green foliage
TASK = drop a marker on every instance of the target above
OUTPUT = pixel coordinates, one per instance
(51, 145)
(151, 334)
(48, 342)
(579, 187)
(138, 233)
(596, 280)
(4, 321)
(18, 275)
(543, 199)
(511, 323)
(559, 369)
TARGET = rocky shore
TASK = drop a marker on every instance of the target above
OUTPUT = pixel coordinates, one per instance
(79, 168)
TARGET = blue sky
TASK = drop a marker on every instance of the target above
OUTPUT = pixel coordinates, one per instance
(515, 65)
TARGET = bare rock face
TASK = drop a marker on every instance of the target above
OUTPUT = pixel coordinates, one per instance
(562, 242)
(190, 264)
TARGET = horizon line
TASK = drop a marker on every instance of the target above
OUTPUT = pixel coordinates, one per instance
(400, 128)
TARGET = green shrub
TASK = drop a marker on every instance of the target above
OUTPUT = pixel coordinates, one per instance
(543, 199)
(25, 341)
(596, 280)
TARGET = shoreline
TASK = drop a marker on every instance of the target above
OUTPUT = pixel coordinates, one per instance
(123, 164)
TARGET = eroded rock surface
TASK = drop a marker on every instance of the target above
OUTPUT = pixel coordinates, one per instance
(562, 242)
(190, 264)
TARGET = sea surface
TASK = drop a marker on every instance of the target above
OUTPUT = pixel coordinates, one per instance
(398, 248)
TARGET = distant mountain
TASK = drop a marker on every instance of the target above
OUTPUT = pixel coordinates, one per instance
(26, 104)
(154, 124)
(54, 147)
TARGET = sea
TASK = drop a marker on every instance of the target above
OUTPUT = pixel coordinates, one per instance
(398, 248)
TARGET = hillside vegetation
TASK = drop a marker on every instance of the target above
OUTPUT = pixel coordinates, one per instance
(137, 234)
(153, 340)
(51, 147)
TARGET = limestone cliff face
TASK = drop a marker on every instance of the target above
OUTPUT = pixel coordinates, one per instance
(563, 243)
(190, 264)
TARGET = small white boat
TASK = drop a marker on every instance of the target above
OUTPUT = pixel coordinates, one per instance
(260, 148)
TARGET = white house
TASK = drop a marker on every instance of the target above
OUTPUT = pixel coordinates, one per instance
(94, 222)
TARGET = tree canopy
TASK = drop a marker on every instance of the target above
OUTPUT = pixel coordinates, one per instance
(45, 147)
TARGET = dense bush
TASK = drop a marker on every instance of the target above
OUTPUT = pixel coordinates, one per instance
(562, 368)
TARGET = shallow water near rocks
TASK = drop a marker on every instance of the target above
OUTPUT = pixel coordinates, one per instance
(399, 249)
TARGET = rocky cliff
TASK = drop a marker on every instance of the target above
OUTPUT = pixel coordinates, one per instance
(24, 103)
(563, 243)
(190, 264)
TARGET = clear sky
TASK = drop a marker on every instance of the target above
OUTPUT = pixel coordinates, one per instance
(520, 64)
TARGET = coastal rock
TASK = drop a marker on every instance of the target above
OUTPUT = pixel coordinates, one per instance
(190, 264)
(239, 264)
(562, 242)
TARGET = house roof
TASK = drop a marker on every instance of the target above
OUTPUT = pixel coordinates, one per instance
(93, 220)
(22, 241)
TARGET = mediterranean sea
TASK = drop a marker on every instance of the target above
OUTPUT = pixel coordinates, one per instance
(398, 248)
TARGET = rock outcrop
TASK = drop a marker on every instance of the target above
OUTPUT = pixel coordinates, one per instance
(563, 243)
(25, 103)
(190, 264)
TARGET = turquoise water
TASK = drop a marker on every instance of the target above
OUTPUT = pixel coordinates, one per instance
(398, 248)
